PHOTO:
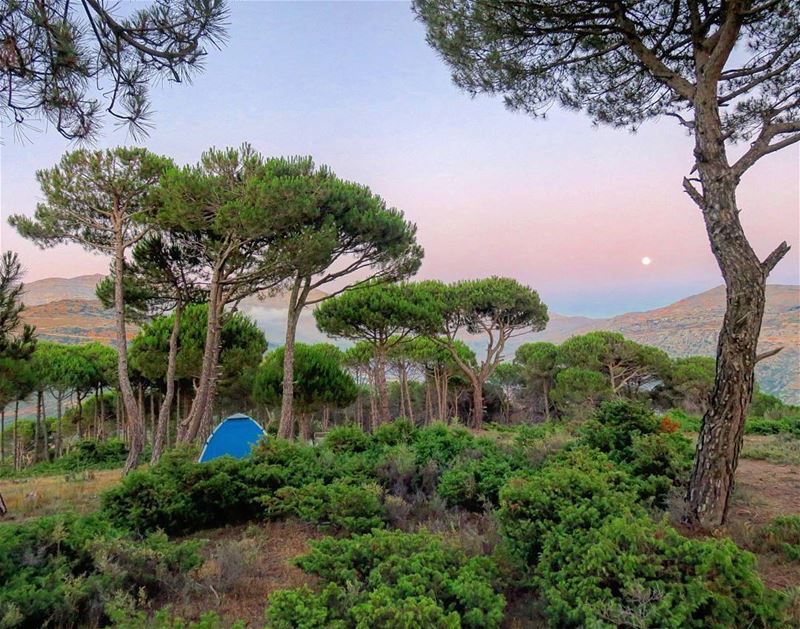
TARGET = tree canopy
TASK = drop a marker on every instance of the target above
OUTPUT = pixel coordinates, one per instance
(69, 63)
(321, 380)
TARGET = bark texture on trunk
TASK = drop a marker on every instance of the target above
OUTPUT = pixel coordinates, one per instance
(287, 399)
(477, 404)
(162, 424)
(722, 431)
(381, 386)
(190, 425)
(135, 426)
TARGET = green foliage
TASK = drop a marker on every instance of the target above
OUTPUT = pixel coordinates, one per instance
(390, 579)
(629, 433)
(691, 380)
(627, 365)
(63, 570)
(575, 387)
(180, 496)
(319, 379)
(347, 439)
(440, 444)
(629, 571)
(352, 508)
(687, 422)
(574, 490)
(379, 313)
(474, 484)
(242, 346)
(396, 432)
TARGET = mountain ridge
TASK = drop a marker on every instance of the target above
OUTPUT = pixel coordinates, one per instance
(66, 310)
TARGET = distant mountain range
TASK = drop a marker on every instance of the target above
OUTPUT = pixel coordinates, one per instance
(66, 310)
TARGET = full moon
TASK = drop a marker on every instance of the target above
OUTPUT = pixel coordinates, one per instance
(646, 261)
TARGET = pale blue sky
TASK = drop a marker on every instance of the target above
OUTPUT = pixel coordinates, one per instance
(558, 204)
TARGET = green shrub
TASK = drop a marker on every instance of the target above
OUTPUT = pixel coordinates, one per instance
(62, 571)
(631, 572)
(180, 496)
(87, 454)
(299, 463)
(347, 439)
(760, 426)
(614, 426)
(630, 434)
(441, 444)
(574, 491)
(474, 480)
(353, 508)
(390, 579)
(687, 422)
(396, 432)
(397, 469)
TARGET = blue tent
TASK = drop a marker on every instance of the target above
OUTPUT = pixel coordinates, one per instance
(235, 436)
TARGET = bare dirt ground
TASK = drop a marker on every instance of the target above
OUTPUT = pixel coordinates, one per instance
(244, 565)
(764, 491)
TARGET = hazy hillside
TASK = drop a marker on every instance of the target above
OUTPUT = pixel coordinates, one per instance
(74, 321)
(691, 325)
(65, 310)
(58, 288)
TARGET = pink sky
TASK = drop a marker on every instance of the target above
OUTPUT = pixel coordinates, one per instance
(563, 206)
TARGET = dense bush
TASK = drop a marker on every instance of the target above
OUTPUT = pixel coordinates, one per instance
(353, 508)
(643, 445)
(574, 491)
(579, 530)
(63, 571)
(474, 479)
(632, 572)
(180, 496)
(390, 579)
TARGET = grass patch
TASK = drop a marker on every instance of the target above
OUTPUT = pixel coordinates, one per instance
(48, 495)
(781, 449)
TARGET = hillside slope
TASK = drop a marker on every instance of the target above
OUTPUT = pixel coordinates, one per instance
(66, 310)
(691, 325)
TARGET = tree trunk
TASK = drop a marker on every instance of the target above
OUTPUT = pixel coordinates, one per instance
(190, 425)
(37, 427)
(16, 436)
(162, 425)
(373, 403)
(287, 400)
(101, 428)
(722, 431)
(135, 427)
(3, 435)
(409, 402)
(304, 426)
(381, 386)
(80, 415)
(58, 425)
(477, 404)
(96, 429)
(443, 397)
(428, 401)
(546, 400)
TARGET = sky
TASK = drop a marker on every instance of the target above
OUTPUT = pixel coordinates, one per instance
(561, 205)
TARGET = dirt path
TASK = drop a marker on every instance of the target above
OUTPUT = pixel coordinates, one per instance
(765, 490)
